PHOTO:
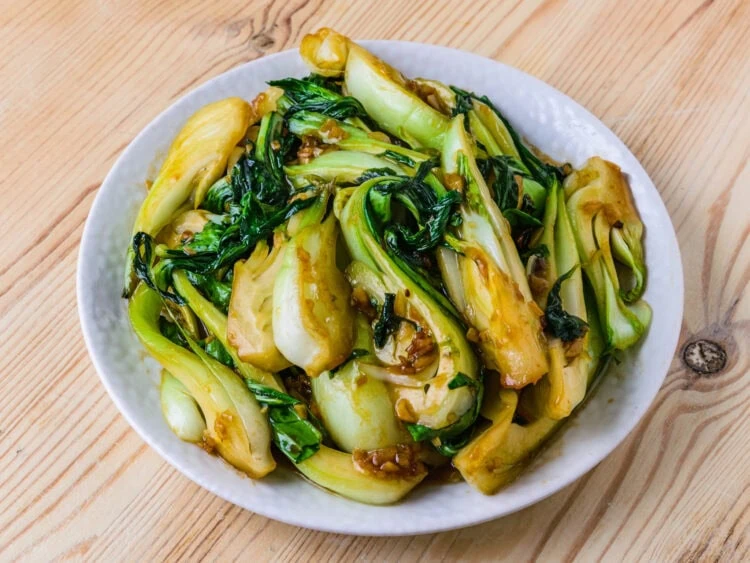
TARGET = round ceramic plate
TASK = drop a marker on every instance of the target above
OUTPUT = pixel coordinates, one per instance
(547, 118)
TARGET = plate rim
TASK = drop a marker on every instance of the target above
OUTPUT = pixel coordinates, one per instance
(624, 430)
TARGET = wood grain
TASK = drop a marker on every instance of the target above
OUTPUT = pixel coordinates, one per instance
(79, 79)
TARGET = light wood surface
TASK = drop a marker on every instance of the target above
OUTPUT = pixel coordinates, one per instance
(78, 80)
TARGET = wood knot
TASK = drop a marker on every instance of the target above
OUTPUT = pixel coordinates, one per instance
(235, 28)
(704, 357)
(263, 41)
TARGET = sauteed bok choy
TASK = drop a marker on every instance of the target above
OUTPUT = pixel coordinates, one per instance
(376, 277)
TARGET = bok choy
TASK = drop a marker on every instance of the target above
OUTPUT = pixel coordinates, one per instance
(373, 275)
(485, 277)
(607, 229)
(197, 158)
(421, 347)
(313, 321)
(235, 426)
(557, 283)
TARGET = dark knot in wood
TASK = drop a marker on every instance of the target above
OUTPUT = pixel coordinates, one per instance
(704, 357)
(263, 41)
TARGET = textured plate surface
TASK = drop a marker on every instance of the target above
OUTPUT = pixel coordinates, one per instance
(546, 117)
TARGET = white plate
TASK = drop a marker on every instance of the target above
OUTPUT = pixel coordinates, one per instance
(549, 119)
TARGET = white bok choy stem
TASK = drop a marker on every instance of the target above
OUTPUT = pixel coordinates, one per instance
(216, 323)
(196, 159)
(341, 167)
(564, 387)
(235, 426)
(181, 412)
(486, 278)
(313, 320)
(606, 226)
(383, 91)
(339, 472)
(250, 318)
(357, 410)
(442, 406)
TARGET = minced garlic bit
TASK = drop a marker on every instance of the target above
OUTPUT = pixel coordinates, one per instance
(455, 182)
(391, 462)
(312, 147)
(332, 132)
(404, 411)
(208, 443)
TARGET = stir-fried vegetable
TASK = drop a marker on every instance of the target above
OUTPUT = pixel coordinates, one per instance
(607, 228)
(385, 94)
(325, 52)
(235, 425)
(357, 410)
(343, 167)
(557, 284)
(485, 277)
(182, 413)
(250, 325)
(383, 91)
(347, 136)
(342, 474)
(217, 324)
(496, 134)
(497, 455)
(449, 320)
(197, 158)
(261, 200)
(313, 321)
(423, 350)
(313, 95)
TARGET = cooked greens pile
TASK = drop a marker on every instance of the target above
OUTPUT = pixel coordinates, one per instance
(374, 276)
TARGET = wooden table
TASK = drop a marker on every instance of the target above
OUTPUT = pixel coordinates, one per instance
(78, 80)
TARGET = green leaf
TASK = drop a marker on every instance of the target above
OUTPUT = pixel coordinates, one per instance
(216, 350)
(421, 433)
(432, 210)
(266, 395)
(544, 173)
(461, 380)
(219, 196)
(143, 248)
(463, 102)
(313, 95)
(296, 437)
(217, 292)
(253, 222)
(540, 251)
(565, 326)
(387, 322)
(373, 173)
(208, 239)
(518, 218)
(400, 158)
(499, 173)
(172, 331)
(451, 446)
